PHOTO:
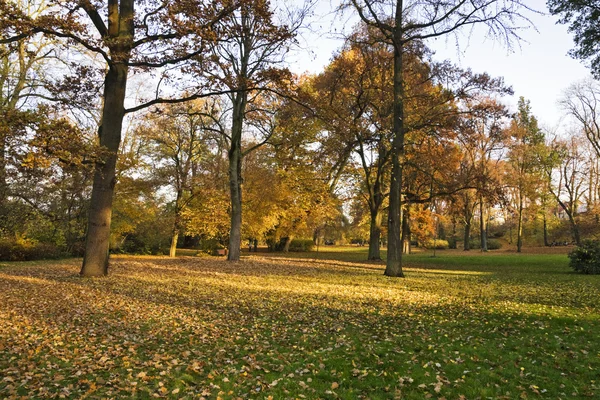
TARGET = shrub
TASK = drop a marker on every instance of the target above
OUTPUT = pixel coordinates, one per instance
(493, 244)
(301, 245)
(585, 258)
(297, 245)
(27, 250)
(440, 244)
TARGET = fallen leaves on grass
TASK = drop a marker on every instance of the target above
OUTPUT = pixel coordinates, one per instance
(288, 328)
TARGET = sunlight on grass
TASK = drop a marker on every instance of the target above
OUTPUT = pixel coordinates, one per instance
(288, 326)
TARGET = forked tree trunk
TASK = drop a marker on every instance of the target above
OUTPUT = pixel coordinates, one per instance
(393, 265)
(95, 261)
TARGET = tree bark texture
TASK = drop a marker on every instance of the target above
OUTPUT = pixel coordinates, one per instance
(394, 252)
(174, 238)
(375, 235)
(235, 176)
(95, 261)
(120, 32)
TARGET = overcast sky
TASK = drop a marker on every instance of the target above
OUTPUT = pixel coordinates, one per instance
(539, 70)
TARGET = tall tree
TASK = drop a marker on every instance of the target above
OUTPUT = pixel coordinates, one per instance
(566, 167)
(525, 163)
(405, 22)
(22, 76)
(353, 102)
(155, 35)
(482, 141)
(247, 65)
(177, 136)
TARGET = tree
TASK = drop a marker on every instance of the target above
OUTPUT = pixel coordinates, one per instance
(582, 102)
(22, 75)
(177, 136)
(482, 141)
(524, 161)
(352, 101)
(154, 36)
(48, 179)
(567, 158)
(582, 18)
(245, 66)
(402, 24)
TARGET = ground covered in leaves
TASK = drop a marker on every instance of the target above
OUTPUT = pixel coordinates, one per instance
(478, 327)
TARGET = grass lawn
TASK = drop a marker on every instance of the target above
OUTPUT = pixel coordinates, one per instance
(275, 326)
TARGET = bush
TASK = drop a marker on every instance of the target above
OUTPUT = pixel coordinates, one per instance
(492, 244)
(27, 250)
(210, 246)
(301, 245)
(585, 259)
(440, 244)
(297, 245)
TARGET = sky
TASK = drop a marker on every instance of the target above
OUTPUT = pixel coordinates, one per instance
(539, 69)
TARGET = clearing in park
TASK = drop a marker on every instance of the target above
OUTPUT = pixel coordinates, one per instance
(324, 326)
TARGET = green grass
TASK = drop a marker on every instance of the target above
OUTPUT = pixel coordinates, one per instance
(494, 325)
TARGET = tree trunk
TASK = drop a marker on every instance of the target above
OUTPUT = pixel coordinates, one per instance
(467, 237)
(95, 261)
(120, 31)
(235, 176)
(375, 235)
(173, 248)
(520, 226)
(454, 239)
(546, 242)
(394, 252)
(176, 223)
(574, 228)
(3, 182)
(406, 234)
(288, 242)
(482, 228)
